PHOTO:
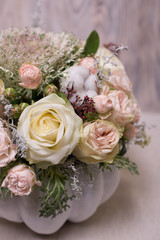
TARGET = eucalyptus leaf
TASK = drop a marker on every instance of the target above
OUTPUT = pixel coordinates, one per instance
(92, 44)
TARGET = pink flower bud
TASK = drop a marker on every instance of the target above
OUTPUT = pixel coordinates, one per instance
(20, 180)
(30, 76)
(130, 132)
(89, 63)
(102, 103)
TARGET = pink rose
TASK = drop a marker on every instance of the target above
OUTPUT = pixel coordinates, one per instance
(30, 76)
(104, 90)
(89, 63)
(98, 142)
(8, 150)
(120, 81)
(102, 103)
(130, 131)
(123, 108)
(20, 180)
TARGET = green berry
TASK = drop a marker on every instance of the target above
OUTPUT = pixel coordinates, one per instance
(16, 111)
(23, 106)
(10, 93)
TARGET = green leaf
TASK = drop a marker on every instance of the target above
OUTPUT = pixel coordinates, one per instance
(91, 116)
(92, 44)
(120, 162)
(124, 162)
(63, 95)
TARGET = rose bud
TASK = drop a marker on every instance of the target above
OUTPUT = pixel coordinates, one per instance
(89, 63)
(102, 103)
(51, 88)
(130, 131)
(8, 150)
(30, 76)
(20, 180)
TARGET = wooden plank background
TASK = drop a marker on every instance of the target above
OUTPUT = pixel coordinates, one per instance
(135, 23)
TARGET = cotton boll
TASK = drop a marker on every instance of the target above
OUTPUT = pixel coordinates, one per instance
(81, 94)
(78, 82)
(75, 76)
(90, 83)
(91, 93)
(78, 70)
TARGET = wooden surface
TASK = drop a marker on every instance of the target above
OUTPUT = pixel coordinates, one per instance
(135, 23)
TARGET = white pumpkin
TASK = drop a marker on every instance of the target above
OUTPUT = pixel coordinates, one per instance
(26, 209)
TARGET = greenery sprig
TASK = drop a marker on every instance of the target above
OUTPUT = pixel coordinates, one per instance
(55, 196)
(121, 162)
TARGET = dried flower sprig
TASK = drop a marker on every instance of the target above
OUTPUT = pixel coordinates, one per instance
(100, 72)
(52, 53)
(141, 138)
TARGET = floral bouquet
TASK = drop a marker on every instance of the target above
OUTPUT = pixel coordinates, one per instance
(66, 110)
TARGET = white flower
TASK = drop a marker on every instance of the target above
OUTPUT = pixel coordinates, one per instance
(51, 130)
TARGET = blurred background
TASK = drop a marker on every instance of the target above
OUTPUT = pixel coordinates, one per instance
(133, 23)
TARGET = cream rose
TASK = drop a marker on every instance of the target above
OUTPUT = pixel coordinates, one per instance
(51, 129)
(98, 142)
(8, 150)
(104, 53)
(120, 81)
(20, 180)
